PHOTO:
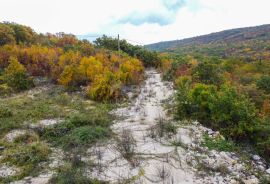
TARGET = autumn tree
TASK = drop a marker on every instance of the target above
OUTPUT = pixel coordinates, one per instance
(70, 76)
(23, 34)
(90, 67)
(6, 35)
(106, 87)
(15, 75)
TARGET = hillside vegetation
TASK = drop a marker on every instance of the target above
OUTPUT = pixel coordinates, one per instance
(56, 95)
(223, 81)
(63, 59)
(251, 43)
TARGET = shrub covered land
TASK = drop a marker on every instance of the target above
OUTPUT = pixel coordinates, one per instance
(227, 94)
(65, 60)
(54, 78)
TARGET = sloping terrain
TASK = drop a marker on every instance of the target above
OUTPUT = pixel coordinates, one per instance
(246, 42)
(150, 147)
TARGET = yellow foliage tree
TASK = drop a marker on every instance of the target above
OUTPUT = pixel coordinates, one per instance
(90, 67)
(15, 75)
(106, 87)
(70, 76)
(131, 71)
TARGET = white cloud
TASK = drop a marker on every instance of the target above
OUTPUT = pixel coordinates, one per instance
(100, 16)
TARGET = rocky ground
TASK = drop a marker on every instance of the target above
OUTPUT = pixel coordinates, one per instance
(54, 161)
(150, 147)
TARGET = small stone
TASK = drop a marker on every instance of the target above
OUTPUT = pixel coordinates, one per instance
(220, 179)
(232, 181)
(6, 171)
(256, 157)
(261, 168)
(239, 167)
(45, 123)
(12, 135)
(2, 148)
(251, 181)
(210, 132)
(211, 154)
(268, 171)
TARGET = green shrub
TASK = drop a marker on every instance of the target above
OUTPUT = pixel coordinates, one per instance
(202, 100)
(97, 117)
(262, 137)
(83, 136)
(53, 134)
(5, 112)
(264, 83)
(208, 73)
(5, 90)
(79, 130)
(183, 102)
(27, 154)
(63, 99)
(219, 144)
(224, 109)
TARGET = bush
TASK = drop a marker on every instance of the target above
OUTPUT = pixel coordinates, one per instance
(264, 83)
(6, 35)
(183, 102)
(5, 90)
(105, 87)
(261, 137)
(15, 75)
(5, 112)
(224, 109)
(219, 144)
(234, 113)
(208, 73)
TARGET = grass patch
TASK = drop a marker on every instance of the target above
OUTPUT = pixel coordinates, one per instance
(85, 123)
(71, 174)
(222, 169)
(82, 136)
(27, 138)
(219, 144)
(163, 128)
(54, 103)
(27, 158)
(80, 129)
(126, 144)
(5, 112)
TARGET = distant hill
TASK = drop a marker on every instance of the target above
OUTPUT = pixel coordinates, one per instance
(234, 42)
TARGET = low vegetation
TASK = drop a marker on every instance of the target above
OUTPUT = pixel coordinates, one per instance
(47, 84)
(219, 143)
(229, 95)
(70, 173)
(83, 123)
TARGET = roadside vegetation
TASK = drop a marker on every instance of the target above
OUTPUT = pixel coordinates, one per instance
(56, 93)
(227, 94)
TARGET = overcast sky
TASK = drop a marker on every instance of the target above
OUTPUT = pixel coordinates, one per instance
(144, 21)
